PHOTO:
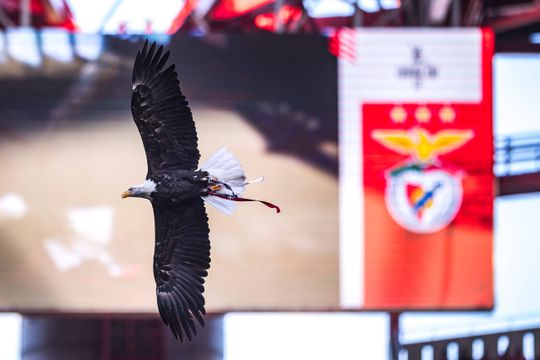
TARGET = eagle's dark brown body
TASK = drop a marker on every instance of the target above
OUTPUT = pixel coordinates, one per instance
(179, 185)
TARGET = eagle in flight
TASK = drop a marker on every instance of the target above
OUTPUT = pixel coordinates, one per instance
(177, 188)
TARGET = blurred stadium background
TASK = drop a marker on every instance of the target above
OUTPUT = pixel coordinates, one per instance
(273, 81)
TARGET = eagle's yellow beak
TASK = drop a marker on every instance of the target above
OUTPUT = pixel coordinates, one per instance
(126, 194)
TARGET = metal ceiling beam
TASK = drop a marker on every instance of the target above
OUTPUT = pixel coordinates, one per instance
(25, 20)
(512, 22)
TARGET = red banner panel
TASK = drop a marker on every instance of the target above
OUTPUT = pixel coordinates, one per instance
(428, 195)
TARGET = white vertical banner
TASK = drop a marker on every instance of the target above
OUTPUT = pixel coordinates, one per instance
(413, 72)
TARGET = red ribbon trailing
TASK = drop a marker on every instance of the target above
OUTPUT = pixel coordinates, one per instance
(236, 198)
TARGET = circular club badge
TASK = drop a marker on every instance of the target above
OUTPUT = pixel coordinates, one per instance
(423, 201)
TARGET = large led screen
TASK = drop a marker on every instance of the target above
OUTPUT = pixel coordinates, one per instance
(69, 148)
(398, 216)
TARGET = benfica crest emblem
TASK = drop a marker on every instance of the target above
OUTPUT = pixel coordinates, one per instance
(423, 199)
(423, 195)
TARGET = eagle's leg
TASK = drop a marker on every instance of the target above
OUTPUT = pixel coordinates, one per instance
(215, 187)
(208, 179)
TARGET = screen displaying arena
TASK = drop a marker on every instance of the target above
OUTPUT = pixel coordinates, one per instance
(69, 148)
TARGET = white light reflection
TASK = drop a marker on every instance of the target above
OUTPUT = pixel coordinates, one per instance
(88, 46)
(23, 46)
(56, 44)
(10, 333)
(91, 235)
(128, 16)
(12, 207)
(314, 336)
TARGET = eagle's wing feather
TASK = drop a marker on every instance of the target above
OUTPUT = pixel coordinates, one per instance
(181, 258)
(162, 114)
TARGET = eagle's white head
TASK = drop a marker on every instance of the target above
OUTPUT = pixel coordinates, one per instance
(143, 190)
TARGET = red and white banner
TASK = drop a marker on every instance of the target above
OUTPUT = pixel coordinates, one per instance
(416, 171)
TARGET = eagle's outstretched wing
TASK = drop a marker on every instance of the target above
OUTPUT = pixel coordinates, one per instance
(162, 114)
(181, 258)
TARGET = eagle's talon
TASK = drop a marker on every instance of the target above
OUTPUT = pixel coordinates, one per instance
(215, 188)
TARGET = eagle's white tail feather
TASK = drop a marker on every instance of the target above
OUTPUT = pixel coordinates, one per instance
(215, 159)
(254, 181)
(226, 168)
(225, 206)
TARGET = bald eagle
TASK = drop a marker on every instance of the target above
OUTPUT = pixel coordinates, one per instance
(177, 189)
